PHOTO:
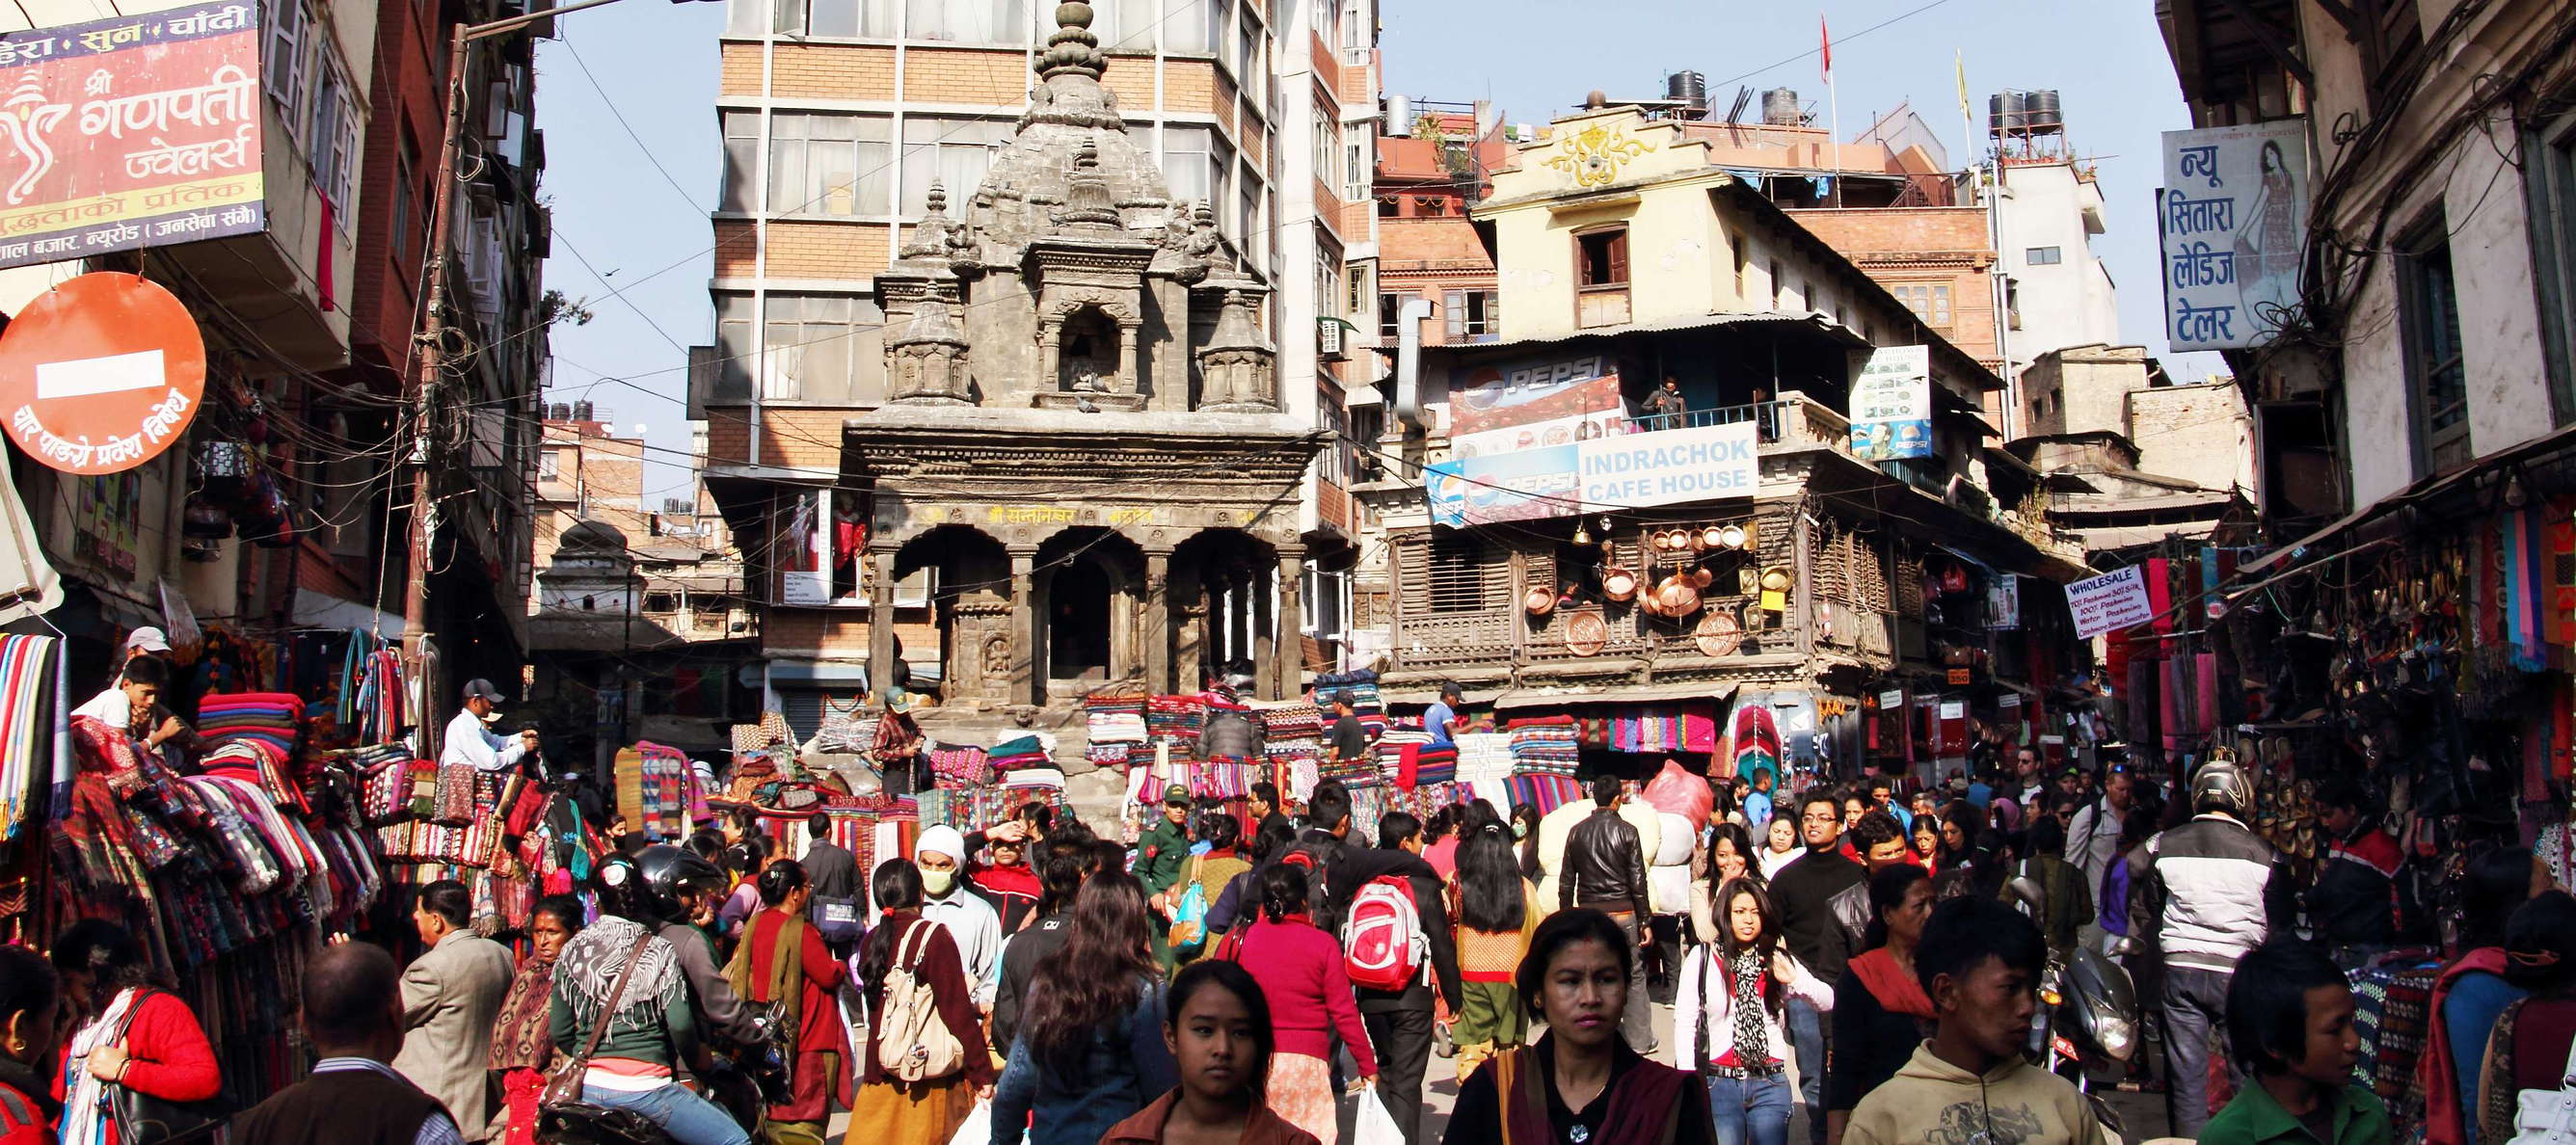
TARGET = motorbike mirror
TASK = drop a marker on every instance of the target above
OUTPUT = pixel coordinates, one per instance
(2121, 947)
(2028, 891)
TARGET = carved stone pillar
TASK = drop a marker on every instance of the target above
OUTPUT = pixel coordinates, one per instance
(1127, 340)
(1291, 662)
(1262, 637)
(1024, 627)
(1157, 636)
(881, 651)
(1050, 353)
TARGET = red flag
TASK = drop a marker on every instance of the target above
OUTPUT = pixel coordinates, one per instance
(1826, 39)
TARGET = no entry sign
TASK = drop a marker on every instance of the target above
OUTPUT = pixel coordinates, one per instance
(101, 373)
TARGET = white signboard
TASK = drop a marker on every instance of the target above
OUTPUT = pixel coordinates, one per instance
(1673, 467)
(2110, 601)
(2234, 216)
(805, 588)
(1891, 404)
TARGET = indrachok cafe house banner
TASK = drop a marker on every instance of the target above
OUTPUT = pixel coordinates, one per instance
(130, 132)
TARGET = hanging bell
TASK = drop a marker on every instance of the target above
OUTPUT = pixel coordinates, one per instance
(1581, 537)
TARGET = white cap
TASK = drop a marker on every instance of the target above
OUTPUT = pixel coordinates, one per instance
(147, 639)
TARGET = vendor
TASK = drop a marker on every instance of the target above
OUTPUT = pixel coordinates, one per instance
(134, 706)
(468, 742)
(109, 704)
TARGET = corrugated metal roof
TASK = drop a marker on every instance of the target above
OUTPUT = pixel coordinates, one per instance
(1817, 320)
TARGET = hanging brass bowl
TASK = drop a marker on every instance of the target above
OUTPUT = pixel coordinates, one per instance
(1586, 634)
(1538, 600)
(1619, 584)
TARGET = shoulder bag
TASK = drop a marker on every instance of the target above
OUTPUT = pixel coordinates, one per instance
(143, 1119)
(563, 1080)
(2545, 1116)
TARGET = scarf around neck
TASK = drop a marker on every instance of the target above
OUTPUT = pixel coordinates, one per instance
(1897, 991)
(1746, 971)
(586, 975)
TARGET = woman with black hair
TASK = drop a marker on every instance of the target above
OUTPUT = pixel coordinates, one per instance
(1582, 1083)
(1880, 1009)
(744, 861)
(2470, 994)
(1211, 871)
(1961, 824)
(133, 1031)
(1728, 856)
(782, 963)
(927, 1111)
(1091, 1050)
(1497, 910)
(1525, 819)
(522, 1034)
(30, 998)
(2529, 1048)
(1217, 1026)
(1300, 971)
(1063, 864)
(1727, 1012)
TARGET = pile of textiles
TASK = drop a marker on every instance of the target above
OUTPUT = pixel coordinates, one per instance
(1233, 736)
(1351, 773)
(1658, 730)
(2393, 998)
(1545, 792)
(258, 762)
(1427, 766)
(425, 842)
(1361, 689)
(1115, 717)
(1109, 755)
(960, 766)
(1292, 736)
(1023, 752)
(1544, 745)
(1484, 756)
(1216, 780)
(1395, 749)
(265, 717)
(671, 798)
(1024, 779)
(26, 728)
(1175, 720)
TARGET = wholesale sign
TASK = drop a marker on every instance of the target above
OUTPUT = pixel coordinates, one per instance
(2110, 601)
(1891, 404)
(1633, 471)
(130, 132)
(2234, 218)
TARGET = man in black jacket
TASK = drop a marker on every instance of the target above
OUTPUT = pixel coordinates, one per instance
(1803, 896)
(1881, 843)
(1605, 869)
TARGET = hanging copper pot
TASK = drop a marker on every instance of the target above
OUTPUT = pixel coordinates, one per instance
(1619, 584)
(1538, 600)
(1677, 597)
(1702, 577)
(1586, 633)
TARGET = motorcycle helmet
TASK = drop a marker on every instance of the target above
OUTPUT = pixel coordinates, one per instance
(666, 874)
(2221, 785)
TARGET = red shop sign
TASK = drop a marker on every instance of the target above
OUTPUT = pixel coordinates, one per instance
(101, 373)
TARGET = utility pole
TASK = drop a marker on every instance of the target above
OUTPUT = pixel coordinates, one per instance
(422, 394)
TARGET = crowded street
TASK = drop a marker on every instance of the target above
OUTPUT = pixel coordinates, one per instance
(1287, 572)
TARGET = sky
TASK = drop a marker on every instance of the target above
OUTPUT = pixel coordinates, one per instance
(626, 99)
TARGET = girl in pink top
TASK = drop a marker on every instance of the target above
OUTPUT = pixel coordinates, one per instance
(1300, 971)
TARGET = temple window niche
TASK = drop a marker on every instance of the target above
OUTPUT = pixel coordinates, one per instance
(1088, 362)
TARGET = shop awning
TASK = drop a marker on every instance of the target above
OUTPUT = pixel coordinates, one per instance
(321, 610)
(1711, 690)
(2420, 490)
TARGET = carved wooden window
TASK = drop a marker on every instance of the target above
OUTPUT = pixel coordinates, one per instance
(1465, 574)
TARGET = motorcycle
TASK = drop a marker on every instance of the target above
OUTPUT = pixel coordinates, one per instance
(2088, 1026)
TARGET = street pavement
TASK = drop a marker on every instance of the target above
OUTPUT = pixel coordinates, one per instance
(2142, 1114)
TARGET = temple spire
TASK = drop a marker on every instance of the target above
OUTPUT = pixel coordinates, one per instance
(1073, 50)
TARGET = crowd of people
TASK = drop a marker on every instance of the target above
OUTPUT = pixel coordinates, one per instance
(1871, 952)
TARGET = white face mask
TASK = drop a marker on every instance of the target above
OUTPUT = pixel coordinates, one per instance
(1520, 830)
(938, 883)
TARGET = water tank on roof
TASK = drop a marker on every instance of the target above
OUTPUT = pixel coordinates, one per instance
(1399, 117)
(560, 411)
(2040, 114)
(581, 411)
(1690, 89)
(2004, 113)
(1780, 108)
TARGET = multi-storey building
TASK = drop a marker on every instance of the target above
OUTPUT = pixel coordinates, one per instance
(844, 119)
(1570, 543)
(2047, 204)
(271, 512)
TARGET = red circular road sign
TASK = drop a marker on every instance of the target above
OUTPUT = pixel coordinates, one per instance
(101, 373)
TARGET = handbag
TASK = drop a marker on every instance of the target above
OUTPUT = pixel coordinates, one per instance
(142, 1119)
(2547, 1116)
(563, 1079)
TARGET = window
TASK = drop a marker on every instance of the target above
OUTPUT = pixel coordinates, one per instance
(290, 28)
(1328, 150)
(1255, 65)
(661, 602)
(825, 18)
(1473, 315)
(549, 464)
(1390, 206)
(2392, 31)
(1359, 286)
(826, 349)
(826, 164)
(1251, 236)
(1357, 171)
(2434, 367)
(398, 225)
(741, 160)
(1328, 19)
(1929, 302)
(1390, 317)
(968, 21)
(2552, 186)
(1458, 576)
(953, 152)
(1328, 276)
(1743, 258)
(1602, 258)
(1122, 25)
(1198, 165)
(2042, 256)
(1779, 288)
(1199, 31)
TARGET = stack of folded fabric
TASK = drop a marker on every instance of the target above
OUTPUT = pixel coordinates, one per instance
(265, 717)
(1115, 717)
(1545, 745)
(1434, 765)
(1483, 756)
(1021, 753)
(1394, 750)
(960, 766)
(1545, 792)
(1100, 754)
(1175, 720)
(258, 762)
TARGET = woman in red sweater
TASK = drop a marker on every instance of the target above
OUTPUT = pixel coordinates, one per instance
(1300, 971)
(890, 1110)
(28, 994)
(133, 1033)
(783, 958)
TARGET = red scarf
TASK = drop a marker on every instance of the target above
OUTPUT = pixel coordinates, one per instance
(2444, 1120)
(1896, 990)
(1645, 1102)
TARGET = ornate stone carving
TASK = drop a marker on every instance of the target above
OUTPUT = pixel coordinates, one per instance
(1238, 370)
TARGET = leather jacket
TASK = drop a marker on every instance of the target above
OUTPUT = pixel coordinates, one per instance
(1850, 908)
(1604, 865)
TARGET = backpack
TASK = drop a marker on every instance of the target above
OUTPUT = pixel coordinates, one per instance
(1382, 941)
(913, 1043)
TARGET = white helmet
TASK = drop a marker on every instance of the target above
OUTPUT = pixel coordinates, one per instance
(2221, 785)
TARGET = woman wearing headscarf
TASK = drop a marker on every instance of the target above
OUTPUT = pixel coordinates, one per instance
(523, 1034)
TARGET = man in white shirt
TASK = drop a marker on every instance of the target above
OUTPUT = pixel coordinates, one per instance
(133, 705)
(2093, 838)
(941, 854)
(110, 703)
(468, 741)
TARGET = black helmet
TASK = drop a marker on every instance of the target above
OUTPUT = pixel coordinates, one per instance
(668, 872)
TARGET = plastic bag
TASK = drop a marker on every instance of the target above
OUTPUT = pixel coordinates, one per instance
(1680, 793)
(978, 1127)
(1375, 1126)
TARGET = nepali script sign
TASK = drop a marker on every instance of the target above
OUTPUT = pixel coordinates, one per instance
(1891, 404)
(1630, 471)
(2110, 601)
(130, 132)
(2234, 216)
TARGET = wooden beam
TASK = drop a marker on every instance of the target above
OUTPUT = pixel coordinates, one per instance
(2344, 16)
(2272, 39)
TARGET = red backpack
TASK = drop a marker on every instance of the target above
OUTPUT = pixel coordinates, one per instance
(1382, 941)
